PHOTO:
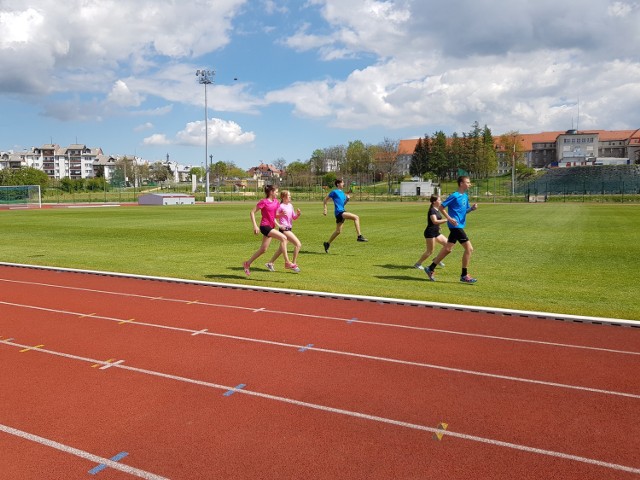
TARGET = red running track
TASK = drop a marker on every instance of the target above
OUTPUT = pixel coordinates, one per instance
(111, 377)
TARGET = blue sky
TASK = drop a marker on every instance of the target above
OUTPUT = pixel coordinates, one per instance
(294, 76)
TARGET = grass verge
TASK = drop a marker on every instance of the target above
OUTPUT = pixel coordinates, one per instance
(569, 258)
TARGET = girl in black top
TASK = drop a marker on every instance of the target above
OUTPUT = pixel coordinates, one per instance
(432, 232)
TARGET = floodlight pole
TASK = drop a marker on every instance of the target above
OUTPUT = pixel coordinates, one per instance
(513, 168)
(205, 77)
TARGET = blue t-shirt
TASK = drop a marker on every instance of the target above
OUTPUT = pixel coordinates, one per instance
(339, 200)
(458, 205)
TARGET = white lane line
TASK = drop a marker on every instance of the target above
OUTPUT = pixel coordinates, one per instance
(353, 414)
(324, 317)
(350, 297)
(348, 354)
(80, 453)
(111, 364)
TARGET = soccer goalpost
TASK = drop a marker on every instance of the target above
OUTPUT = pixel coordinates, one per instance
(25, 196)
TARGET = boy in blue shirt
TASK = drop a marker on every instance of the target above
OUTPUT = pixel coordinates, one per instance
(340, 199)
(458, 204)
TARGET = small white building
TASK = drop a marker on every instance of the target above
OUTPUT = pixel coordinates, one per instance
(418, 188)
(166, 199)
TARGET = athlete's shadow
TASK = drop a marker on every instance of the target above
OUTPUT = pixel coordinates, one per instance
(243, 276)
(406, 278)
(397, 267)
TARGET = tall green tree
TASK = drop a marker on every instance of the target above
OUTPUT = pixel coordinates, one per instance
(159, 172)
(197, 172)
(472, 161)
(359, 157)
(234, 171)
(124, 172)
(298, 173)
(24, 176)
(420, 159)
(457, 154)
(219, 171)
(386, 159)
(487, 160)
(317, 162)
(440, 157)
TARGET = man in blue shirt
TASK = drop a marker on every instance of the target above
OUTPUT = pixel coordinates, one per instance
(458, 204)
(340, 199)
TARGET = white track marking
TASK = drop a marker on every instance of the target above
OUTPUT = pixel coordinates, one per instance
(80, 453)
(348, 354)
(350, 297)
(353, 414)
(324, 317)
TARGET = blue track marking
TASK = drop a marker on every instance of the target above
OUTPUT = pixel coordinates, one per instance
(354, 319)
(102, 466)
(304, 349)
(228, 393)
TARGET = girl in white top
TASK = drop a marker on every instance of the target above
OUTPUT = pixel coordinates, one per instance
(286, 215)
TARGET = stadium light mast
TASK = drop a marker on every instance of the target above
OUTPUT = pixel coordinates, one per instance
(513, 168)
(205, 77)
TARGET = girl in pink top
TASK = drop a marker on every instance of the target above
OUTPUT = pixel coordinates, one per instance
(286, 215)
(268, 207)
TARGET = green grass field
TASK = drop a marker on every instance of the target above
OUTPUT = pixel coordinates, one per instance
(571, 258)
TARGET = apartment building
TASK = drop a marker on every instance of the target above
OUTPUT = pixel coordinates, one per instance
(75, 161)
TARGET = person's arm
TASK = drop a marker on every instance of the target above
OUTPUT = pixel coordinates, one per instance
(252, 214)
(472, 208)
(326, 199)
(296, 214)
(437, 221)
(452, 221)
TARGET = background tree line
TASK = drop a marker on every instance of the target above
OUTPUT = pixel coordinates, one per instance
(435, 157)
(439, 157)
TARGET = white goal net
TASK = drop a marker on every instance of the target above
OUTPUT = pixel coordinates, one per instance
(21, 196)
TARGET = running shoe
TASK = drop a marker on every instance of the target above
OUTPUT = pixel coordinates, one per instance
(441, 264)
(418, 266)
(468, 279)
(326, 247)
(270, 267)
(245, 265)
(362, 239)
(430, 273)
(293, 267)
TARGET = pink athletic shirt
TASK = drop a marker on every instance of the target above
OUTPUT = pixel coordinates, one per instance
(268, 208)
(286, 215)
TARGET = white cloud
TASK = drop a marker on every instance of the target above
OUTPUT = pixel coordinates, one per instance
(18, 27)
(221, 132)
(156, 139)
(621, 9)
(434, 68)
(272, 7)
(122, 96)
(344, 64)
(143, 127)
(108, 35)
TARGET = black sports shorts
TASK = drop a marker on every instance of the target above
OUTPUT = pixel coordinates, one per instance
(457, 235)
(265, 229)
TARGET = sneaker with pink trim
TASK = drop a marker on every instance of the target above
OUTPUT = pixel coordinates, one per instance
(468, 279)
(247, 271)
(293, 267)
